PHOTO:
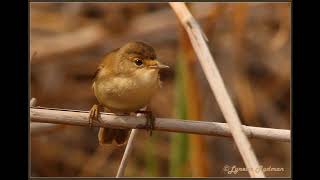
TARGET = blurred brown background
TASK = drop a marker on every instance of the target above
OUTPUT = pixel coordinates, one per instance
(251, 44)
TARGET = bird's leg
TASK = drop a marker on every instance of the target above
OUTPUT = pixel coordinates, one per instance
(150, 120)
(94, 114)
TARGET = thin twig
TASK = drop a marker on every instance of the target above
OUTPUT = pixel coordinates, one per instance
(217, 86)
(127, 152)
(38, 128)
(80, 118)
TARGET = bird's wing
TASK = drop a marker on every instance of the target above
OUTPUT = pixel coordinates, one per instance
(103, 63)
(97, 72)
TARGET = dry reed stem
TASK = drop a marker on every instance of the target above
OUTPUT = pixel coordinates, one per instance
(127, 152)
(80, 118)
(217, 85)
(39, 128)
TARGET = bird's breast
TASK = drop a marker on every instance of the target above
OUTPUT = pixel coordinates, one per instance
(127, 93)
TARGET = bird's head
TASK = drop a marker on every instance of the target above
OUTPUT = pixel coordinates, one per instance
(138, 57)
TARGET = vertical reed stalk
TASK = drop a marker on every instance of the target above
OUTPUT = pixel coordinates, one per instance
(217, 85)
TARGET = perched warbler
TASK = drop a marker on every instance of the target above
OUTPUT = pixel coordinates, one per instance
(124, 83)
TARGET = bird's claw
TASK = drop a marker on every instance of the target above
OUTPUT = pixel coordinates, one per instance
(150, 121)
(94, 114)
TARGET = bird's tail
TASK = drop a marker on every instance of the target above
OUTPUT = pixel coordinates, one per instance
(107, 135)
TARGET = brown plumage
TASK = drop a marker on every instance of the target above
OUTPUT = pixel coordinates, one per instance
(124, 82)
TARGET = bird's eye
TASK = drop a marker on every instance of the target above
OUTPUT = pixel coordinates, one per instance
(138, 62)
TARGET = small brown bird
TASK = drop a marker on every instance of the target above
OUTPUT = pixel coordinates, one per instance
(124, 82)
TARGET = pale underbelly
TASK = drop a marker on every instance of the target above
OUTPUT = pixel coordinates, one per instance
(127, 97)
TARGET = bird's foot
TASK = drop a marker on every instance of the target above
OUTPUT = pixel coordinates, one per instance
(150, 122)
(94, 114)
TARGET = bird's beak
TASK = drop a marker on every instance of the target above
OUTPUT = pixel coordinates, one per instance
(158, 66)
